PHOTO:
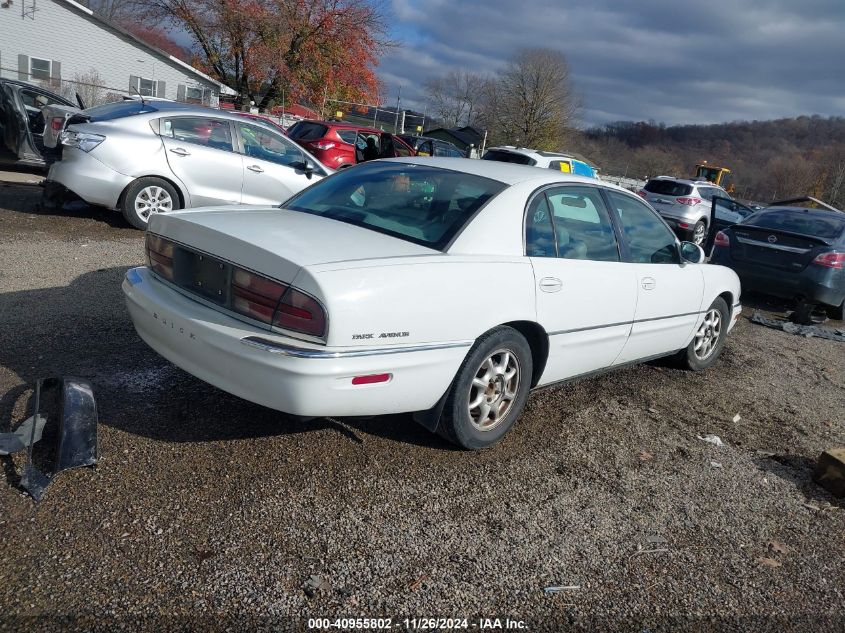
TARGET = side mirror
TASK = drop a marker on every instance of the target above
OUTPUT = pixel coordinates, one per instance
(691, 253)
(302, 165)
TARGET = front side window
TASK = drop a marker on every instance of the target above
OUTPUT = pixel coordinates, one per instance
(39, 68)
(400, 149)
(212, 133)
(419, 204)
(583, 229)
(265, 145)
(649, 240)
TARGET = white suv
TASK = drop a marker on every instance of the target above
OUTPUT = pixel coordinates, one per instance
(684, 204)
(537, 158)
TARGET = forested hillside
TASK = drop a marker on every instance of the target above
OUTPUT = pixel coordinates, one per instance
(769, 159)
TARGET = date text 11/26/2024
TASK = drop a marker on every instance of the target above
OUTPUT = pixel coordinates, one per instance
(417, 624)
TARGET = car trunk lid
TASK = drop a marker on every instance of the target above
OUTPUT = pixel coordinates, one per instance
(56, 118)
(779, 249)
(278, 242)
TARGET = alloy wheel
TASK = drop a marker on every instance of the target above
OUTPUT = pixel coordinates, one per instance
(698, 235)
(708, 334)
(152, 199)
(493, 390)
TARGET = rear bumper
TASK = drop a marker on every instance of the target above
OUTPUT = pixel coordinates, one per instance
(815, 283)
(279, 372)
(88, 178)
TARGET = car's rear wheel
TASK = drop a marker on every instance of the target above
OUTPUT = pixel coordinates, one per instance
(699, 233)
(489, 390)
(709, 338)
(147, 196)
(837, 312)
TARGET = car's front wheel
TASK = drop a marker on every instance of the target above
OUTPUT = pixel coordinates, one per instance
(709, 338)
(147, 196)
(489, 390)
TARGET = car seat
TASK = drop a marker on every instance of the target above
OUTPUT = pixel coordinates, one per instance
(219, 139)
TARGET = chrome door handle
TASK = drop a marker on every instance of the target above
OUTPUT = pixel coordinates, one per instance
(181, 152)
(255, 168)
(648, 283)
(550, 284)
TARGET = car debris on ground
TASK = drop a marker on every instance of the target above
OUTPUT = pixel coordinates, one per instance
(801, 330)
(60, 434)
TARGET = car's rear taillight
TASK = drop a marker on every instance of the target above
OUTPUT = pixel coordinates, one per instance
(722, 240)
(255, 296)
(690, 202)
(683, 225)
(642, 194)
(276, 304)
(830, 260)
(323, 145)
(160, 255)
(300, 313)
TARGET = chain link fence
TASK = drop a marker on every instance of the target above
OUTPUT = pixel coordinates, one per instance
(92, 89)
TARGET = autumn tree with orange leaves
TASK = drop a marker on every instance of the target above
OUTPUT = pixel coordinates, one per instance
(302, 49)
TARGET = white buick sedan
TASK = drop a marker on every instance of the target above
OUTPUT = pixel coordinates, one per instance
(445, 287)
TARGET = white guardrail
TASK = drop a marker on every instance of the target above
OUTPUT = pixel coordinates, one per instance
(631, 184)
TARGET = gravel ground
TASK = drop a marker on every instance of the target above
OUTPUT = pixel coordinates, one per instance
(208, 512)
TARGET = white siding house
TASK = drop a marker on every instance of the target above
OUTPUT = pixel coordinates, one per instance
(54, 42)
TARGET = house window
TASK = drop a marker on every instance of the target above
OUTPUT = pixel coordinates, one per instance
(146, 87)
(39, 68)
(193, 95)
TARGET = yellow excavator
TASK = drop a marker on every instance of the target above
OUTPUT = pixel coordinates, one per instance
(717, 175)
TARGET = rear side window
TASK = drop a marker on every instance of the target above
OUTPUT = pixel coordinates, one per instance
(798, 221)
(539, 235)
(212, 133)
(307, 131)
(508, 157)
(649, 239)
(348, 136)
(668, 188)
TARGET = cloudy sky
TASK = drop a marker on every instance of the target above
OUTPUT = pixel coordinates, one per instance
(675, 61)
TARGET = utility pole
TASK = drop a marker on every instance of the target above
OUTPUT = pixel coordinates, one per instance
(398, 101)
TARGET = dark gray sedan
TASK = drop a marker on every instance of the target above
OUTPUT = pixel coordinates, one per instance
(790, 252)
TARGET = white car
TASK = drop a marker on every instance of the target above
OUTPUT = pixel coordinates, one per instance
(441, 286)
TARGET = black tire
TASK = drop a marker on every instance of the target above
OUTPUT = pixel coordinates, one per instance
(689, 358)
(699, 229)
(837, 312)
(457, 424)
(143, 186)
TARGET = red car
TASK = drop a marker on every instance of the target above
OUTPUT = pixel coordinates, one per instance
(337, 144)
(263, 119)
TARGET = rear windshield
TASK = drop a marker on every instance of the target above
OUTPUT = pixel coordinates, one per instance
(668, 188)
(810, 223)
(307, 131)
(508, 157)
(416, 203)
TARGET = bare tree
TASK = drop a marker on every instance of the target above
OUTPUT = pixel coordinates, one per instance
(532, 101)
(456, 97)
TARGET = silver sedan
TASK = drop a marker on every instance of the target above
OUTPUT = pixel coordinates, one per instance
(142, 158)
